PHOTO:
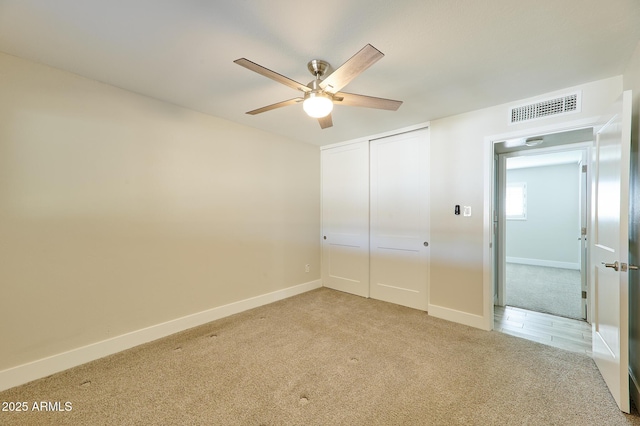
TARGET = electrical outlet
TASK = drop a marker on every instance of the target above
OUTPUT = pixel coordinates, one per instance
(307, 267)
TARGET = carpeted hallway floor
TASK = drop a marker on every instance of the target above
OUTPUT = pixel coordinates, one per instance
(554, 291)
(328, 358)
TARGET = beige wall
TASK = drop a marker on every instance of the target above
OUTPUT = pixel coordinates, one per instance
(632, 82)
(457, 170)
(119, 212)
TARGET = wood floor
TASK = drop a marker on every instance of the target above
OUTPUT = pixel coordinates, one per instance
(563, 333)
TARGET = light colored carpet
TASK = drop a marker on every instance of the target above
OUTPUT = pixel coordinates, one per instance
(554, 291)
(329, 358)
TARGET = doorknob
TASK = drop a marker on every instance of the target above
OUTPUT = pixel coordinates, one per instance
(624, 267)
(615, 265)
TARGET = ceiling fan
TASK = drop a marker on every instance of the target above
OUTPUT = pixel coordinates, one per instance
(320, 94)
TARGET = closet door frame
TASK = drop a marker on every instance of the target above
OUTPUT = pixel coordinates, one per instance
(332, 278)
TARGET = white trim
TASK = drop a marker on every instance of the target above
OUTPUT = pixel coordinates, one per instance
(465, 318)
(488, 242)
(46, 366)
(543, 262)
(380, 135)
(584, 123)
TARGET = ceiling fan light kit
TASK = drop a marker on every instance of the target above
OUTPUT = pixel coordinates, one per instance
(320, 94)
(317, 105)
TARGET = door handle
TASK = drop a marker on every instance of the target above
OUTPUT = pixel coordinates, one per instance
(615, 265)
(624, 267)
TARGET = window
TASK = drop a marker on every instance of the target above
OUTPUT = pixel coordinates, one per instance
(516, 202)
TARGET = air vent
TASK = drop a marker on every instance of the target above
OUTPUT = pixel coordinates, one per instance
(565, 104)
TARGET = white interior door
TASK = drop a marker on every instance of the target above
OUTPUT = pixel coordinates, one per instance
(400, 219)
(610, 245)
(345, 218)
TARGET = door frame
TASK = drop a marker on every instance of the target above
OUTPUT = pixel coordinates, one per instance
(490, 186)
(498, 213)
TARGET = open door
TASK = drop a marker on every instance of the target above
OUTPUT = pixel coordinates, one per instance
(610, 250)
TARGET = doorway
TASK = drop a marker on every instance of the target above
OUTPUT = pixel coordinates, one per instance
(540, 221)
(544, 197)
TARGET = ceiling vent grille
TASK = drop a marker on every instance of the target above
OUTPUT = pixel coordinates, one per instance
(566, 104)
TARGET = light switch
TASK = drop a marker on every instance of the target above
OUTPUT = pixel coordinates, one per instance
(467, 210)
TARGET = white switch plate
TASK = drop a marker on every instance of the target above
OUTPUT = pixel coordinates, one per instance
(467, 210)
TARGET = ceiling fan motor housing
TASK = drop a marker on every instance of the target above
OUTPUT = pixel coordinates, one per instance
(318, 67)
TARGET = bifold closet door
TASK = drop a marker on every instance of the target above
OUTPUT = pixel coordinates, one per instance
(399, 215)
(345, 218)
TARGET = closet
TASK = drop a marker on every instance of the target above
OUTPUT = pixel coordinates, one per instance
(375, 218)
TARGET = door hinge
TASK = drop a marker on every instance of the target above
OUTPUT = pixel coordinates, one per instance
(584, 294)
(584, 168)
(583, 231)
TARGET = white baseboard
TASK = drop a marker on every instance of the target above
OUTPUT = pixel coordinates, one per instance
(634, 387)
(542, 262)
(46, 366)
(465, 318)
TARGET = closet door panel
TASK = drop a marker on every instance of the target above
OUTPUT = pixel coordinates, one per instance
(345, 218)
(399, 215)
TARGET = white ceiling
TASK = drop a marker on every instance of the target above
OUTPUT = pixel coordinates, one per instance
(443, 57)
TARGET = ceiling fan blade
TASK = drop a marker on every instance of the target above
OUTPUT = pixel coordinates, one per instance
(359, 62)
(325, 121)
(274, 106)
(351, 99)
(271, 74)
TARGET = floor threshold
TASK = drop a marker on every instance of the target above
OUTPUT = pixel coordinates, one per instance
(564, 333)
